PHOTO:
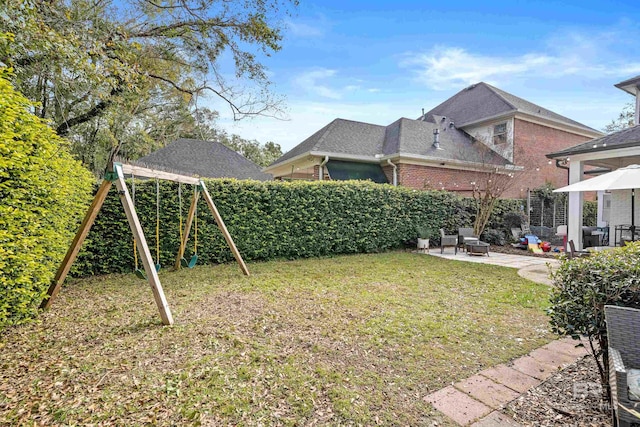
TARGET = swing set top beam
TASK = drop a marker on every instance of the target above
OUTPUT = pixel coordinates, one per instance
(140, 171)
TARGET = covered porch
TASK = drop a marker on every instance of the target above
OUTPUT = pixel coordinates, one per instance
(602, 155)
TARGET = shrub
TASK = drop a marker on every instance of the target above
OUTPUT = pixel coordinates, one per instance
(42, 194)
(270, 220)
(583, 286)
(589, 213)
(494, 237)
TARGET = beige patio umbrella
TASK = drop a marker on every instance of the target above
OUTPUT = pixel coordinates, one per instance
(627, 178)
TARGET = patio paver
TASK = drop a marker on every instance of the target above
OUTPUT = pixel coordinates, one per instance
(533, 367)
(486, 391)
(496, 419)
(511, 378)
(457, 405)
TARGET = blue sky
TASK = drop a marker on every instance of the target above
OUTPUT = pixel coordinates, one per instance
(377, 61)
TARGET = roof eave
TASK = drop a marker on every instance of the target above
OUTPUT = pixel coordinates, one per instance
(630, 86)
(569, 152)
(455, 162)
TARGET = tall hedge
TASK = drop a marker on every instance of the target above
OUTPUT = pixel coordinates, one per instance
(42, 194)
(271, 220)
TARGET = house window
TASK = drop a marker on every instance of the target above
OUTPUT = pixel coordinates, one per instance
(500, 134)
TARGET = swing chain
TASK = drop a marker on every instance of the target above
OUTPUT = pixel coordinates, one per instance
(133, 198)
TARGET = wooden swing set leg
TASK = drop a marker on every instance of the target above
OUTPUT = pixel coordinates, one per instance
(223, 229)
(73, 250)
(145, 254)
(187, 230)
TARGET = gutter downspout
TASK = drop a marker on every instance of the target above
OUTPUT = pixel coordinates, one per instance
(558, 165)
(321, 169)
(395, 172)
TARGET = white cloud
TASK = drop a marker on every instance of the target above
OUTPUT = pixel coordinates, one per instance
(309, 81)
(590, 56)
(301, 29)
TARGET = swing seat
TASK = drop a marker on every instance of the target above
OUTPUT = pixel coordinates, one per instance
(191, 263)
(140, 274)
(158, 268)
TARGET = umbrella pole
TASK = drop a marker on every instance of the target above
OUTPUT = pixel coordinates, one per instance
(633, 215)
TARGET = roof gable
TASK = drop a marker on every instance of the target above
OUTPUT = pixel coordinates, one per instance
(208, 159)
(481, 101)
(472, 104)
(416, 138)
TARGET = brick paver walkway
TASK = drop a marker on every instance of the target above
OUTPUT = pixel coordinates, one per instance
(477, 400)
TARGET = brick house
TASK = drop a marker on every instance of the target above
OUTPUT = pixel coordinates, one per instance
(446, 148)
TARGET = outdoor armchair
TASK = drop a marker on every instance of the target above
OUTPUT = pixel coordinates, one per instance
(623, 324)
(465, 235)
(448, 240)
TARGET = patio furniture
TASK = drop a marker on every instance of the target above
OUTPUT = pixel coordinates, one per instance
(573, 253)
(623, 234)
(477, 248)
(465, 235)
(448, 240)
(591, 236)
(623, 324)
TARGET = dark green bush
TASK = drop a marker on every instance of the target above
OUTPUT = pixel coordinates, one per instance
(43, 193)
(271, 220)
(267, 220)
(589, 213)
(583, 286)
(494, 237)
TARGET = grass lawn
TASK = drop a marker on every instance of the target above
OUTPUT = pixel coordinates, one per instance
(336, 341)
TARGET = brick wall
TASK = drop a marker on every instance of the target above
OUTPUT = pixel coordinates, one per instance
(532, 143)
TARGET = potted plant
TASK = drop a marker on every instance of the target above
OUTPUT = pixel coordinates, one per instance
(424, 232)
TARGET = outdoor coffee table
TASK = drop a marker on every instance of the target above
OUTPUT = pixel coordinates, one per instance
(477, 248)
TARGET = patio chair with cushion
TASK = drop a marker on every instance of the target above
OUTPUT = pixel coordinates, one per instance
(465, 235)
(448, 240)
(623, 324)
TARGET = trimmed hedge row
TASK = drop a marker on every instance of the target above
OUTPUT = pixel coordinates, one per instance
(43, 192)
(270, 220)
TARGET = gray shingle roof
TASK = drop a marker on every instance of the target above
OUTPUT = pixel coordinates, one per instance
(404, 136)
(481, 101)
(207, 159)
(341, 136)
(415, 137)
(629, 137)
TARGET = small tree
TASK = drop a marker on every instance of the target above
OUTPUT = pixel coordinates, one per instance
(583, 286)
(625, 120)
(490, 181)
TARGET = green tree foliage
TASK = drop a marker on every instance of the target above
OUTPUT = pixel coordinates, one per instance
(260, 154)
(43, 193)
(126, 75)
(583, 286)
(624, 120)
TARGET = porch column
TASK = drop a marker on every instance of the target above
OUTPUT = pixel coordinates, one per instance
(574, 227)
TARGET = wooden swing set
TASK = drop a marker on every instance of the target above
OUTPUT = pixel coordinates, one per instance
(116, 174)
